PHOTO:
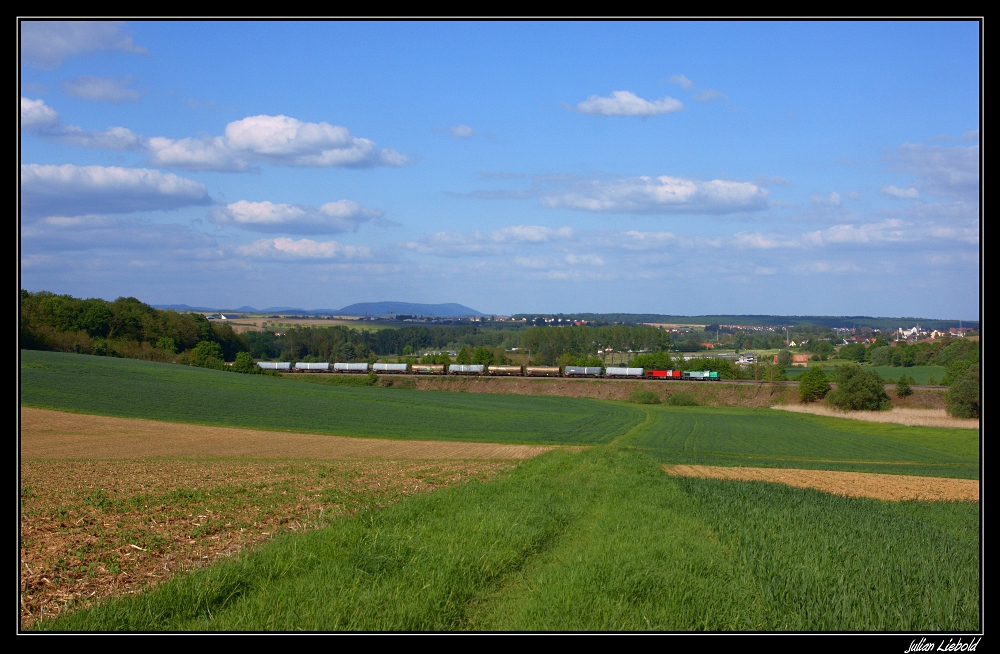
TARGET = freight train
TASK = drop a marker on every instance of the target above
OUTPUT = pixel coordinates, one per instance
(479, 370)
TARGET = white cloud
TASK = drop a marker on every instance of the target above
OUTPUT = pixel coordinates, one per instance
(330, 218)
(584, 259)
(683, 81)
(971, 135)
(944, 171)
(286, 248)
(277, 140)
(452, 244)
(43, 120)
(706, 95)
(660, 195)
(105, 233)
(626, 103)
(68, 190)
(46, 44)
(832, 200)
(462, 131)
(895, 192)
(36, 114)
(103, 89)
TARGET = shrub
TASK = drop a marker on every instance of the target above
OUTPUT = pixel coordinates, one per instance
(642, 396)
(245, 364)
(682, 398)
(813, 384)
(859, 390)
(785, 358)
(963, 396)
(903, 386)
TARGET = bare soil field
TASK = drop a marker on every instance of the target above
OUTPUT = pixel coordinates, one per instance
(901, 416)
(100, 528)
(851, 484)
(47, 434)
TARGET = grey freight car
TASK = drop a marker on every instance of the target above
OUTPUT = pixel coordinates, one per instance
(583, 371)
(312, 367)
(428, 368)
(350, 367)
(390, 367)
(272, 365)
(466, 369)
(623, 372)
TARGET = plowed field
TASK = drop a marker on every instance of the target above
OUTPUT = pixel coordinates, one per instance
(851, 484)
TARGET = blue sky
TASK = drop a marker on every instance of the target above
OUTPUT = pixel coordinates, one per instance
(682, 168)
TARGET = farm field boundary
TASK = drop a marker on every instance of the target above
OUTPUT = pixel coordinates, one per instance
(47, 434)
(895, 488)
(897, 415)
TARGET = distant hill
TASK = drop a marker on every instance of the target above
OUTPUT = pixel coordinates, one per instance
(385, 308)
(451, 310)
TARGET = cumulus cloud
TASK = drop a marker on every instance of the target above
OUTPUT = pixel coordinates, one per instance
(832, 200)
(329, 218)
(68, 190)
(659, 195)
(626, 103)
(95, 232)
(286, 248)
(46, 44)
(35, 114)
(895, 192)
(103, 89)
(41, 119)
(277, 140)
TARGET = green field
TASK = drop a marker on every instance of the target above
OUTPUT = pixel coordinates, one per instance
(769, 438)
(600, 539)
(922, 374)
(160, 391)
(594, 540)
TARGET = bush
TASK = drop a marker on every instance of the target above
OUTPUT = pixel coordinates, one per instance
(859, 390)
(785, 358)
(681, 398)
(813, 384)
(245, 364)
(963, 396)
(903, 386)
(641, 396)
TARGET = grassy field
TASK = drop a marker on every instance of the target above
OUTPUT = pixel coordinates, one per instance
(599, 539)
(768, 438)
(922, 374)
(593, 540)
(142, 389)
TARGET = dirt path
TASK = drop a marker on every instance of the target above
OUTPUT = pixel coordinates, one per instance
(47, 434)
(851, 484)
(910, 417)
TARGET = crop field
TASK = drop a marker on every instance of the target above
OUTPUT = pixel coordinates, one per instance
(601, 539)
(762, 437)
(922, 374)
(159, 391)
(658, 518)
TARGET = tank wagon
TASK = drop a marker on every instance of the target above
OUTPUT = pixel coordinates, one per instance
(350, 367)
(274, 365)
(514, 371)
(623, 372)
(466, 369)
(312, 367)
(427, 369)
(391, 367)
(583, 371)
(542, 371)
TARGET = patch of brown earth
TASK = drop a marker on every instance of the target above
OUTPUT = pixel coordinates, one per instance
(901, 416)
(47, 434)
(851, 484)
(96, 529)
